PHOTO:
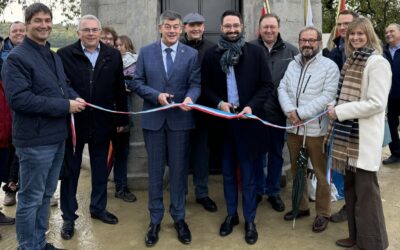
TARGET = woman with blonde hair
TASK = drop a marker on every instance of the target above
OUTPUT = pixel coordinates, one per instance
(354, 139)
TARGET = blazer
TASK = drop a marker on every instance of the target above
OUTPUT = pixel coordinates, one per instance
(150, 79)
(102, 85)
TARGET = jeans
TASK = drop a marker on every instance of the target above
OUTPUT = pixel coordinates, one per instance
(39, 171)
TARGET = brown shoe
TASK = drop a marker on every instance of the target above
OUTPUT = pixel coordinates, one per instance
(320, 223)
(345, 242)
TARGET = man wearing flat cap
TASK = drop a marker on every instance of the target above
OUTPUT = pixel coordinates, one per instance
(199, 151)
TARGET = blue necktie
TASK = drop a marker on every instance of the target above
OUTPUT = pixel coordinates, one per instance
(169, 61)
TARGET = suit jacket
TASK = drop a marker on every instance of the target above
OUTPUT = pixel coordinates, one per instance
(254, 86)
(103, 86)
(150, 80)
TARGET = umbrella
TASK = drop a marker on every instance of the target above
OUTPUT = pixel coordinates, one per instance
(298, 181)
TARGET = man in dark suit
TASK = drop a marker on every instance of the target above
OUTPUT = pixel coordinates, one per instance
(236, 78)
(167, 70)
(95, 72)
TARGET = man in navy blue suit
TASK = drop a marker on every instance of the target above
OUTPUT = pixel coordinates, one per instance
(167, 70)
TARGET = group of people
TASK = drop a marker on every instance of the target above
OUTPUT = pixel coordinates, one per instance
(268, 77)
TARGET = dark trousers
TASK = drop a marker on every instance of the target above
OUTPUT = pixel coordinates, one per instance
(120, 142)
(198, 159)
(365, 217)
(167, 147)
(271, 184)
(235, 154)
(98, 152)
(393, 120)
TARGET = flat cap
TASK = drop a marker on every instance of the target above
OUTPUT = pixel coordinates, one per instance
(193, 18)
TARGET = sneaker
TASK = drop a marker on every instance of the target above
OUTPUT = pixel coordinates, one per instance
(125, 195)
(9, 199)
(53, 201)
(339, 216)
(50, 246)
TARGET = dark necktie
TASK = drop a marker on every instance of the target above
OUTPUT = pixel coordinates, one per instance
(169, 61)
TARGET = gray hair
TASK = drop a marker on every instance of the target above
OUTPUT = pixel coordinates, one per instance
(170, 15)
(395, 25)
(89, 17)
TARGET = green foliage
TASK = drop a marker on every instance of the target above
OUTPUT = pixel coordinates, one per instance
(60, 36)
(381, 12)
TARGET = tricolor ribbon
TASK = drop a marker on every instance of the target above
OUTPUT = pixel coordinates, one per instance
(201, 108)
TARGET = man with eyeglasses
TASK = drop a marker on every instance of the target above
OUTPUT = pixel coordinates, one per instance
(279, 54)
(95, 72)
(339, 57)
(236, 79)
(308, 86)
(167, 71)
(108, 36)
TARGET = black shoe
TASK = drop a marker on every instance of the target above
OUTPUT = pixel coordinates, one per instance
(301, 213)
(258, 198)
(277, 203)
(5, 220)
(125, 195)
(339, 216)
(392, 159)
(105, 217)
(50, 246)
(227, 226)
(183, 231)
(67, 230)
(208, 204)
(152, 234)
(251, 234)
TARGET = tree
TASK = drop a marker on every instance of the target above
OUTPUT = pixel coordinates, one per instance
(70, 8)
(380, 12)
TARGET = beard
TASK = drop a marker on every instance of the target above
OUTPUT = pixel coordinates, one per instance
(228, 36)
(308, 52)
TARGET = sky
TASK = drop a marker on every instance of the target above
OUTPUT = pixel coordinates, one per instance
(13, 12)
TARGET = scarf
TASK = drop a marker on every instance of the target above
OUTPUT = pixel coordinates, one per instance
(343, 137)
(232, 52)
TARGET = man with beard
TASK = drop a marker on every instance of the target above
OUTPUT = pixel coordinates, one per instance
(309, 84)
(279, 54)
(236, 78)
(199, 152)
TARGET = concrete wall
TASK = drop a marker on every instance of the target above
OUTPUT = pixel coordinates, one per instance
(138, 20)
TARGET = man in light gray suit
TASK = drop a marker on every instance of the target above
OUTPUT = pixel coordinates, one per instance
(167, 70)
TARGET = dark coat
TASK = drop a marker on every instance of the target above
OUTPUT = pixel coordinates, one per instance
(201, 46)
(337, 54)
(38, 96)
(103, 86)
(395, 65)
(254, 88)
(278, 59)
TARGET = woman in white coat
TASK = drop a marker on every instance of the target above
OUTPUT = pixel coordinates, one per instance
(354, 140)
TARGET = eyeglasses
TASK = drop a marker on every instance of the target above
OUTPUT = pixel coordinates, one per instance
(310, 41)
(230, 26)
(172, 27)
(88, 30)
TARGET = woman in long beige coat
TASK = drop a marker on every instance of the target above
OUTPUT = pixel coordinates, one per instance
(356, 135)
